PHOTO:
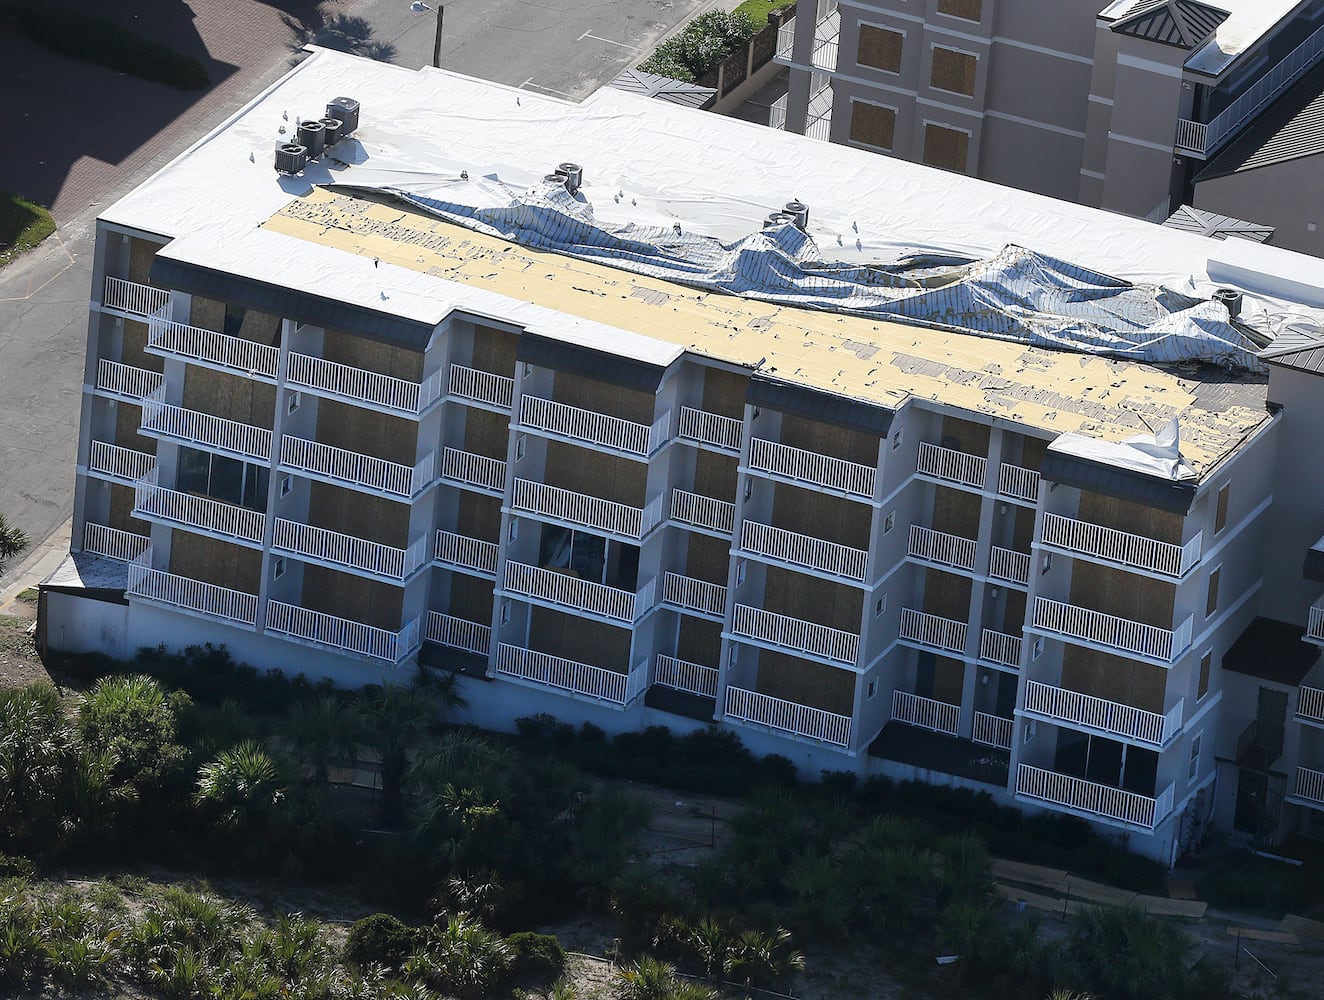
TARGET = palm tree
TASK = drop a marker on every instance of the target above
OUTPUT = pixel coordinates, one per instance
(13, 539)
(462, 958)
(395, 720)
(245, 791)
(38, 751)
(322, 732)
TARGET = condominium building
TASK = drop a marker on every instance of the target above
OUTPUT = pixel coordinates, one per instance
(1118, 108)
(615, 446)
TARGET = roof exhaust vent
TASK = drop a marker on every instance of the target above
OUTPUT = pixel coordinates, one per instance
(574, 176)
(346, 111)
(312, 134)
(1231, 298)
(331, 129)
(291, 158)
(777, 219)
(799, 211)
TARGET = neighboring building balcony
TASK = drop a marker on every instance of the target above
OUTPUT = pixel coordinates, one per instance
(952, 467)
(126, 382)
(777, 113)
(926, 713)
(331, 548)
(459, 633)
(561, 590)
(190, 595)
(1308, 788)
(122, 465)
(941, 549)
(932, 632)
(545, 670)
(681, 675)
(827, 33)
(1121, 549)
(112, 543)
(134, 298)
(1099, 630)
(818, 114)
(341, 633)
(796, 634)
(203, 430)
(234, 355)
(1099, 715)
(992, 730)
(582, 511)
(354, 470)
(469, 385)
(469, 555)
(795, 465)
(571, 423)
(697, 511)
(184, 510)
(803, 551)
(1009, 566)
(359, 387)
(711, 430)
(1000, 648)
(1310, 705)
(1315, 623)
(473, 472)
(782, 716)
(1091, 799)
(707, 600)
(1018, 484)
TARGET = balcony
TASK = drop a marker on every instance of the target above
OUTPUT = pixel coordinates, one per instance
(184, 510)
(1017, 483)
(349, 468)
(190, 595)
(698, 511)
(1009, 566)
(926, 713)
(126, 382)
(796, 634)
(1000, 648)
(1098, 715)
(804, 551)
(341, 633)
(940, 548)
(474, 472)
(235, 355)
(458, 633)
(827, 33)
(1095, 628)
(787, 717)
(932, 632)
(777, 113)
(304, 541)
(111, 543)
(948, 466)
(123, 465)
(1120, 548)
(798, 466)
(992, 730)
(131, 297)
(1310, 705)
(466, 554)
(699, 596)
(362, 388)
(1091, 799)
(565, 591)
(470, 385)
(588, 427)
(1308, 788)
(1315, 624)
(586, 512)
(693, 678)
(577, 678)
(722, 433)
(190, 427)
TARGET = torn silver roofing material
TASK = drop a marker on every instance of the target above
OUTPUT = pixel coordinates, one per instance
(1015, 295)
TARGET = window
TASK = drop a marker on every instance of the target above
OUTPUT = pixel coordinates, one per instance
(226, 479)
(953, 71)
(1220, 510)
(969, 10)
(734, 657)
(889, 522)
(1037, 650)
(528, 369)
(872, 124)
(521, 444)
(513, 531)
(278, 568)
(1195, 756)
(879, 48)
(1206, 665)
(286, 485)
(1029, 731)
(1046, 563)
(293, 403)
(946, 148)
(872, 690)
(740, 572)
(880, 606)
(505, 612)
(749, 489)
(896, 440)
(1211, 597)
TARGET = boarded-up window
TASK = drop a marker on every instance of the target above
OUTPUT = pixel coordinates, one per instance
(971, 10)
(953, 71)
(945, 147)
(879, 48)
(1211, 598)
(872, 125)
(1206, 665)
(1220, 511)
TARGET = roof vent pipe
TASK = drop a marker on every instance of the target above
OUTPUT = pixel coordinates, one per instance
(574, 176)
(1231, 298)
(555, 177)
(312, 134)
(800, 212)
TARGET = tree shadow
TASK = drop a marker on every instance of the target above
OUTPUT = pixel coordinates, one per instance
(346, 33)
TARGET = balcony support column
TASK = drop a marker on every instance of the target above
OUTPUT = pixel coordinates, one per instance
(273, 479)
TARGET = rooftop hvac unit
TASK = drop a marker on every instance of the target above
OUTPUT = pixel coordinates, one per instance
(799, 212)
(777, 219)
(574, 176)
(346, 111)
(1231, 298)
(331, 129)
(291, 158)
(313, 135)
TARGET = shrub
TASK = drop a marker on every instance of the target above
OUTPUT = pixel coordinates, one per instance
(700, 45)
(535, 958)
(380, 939)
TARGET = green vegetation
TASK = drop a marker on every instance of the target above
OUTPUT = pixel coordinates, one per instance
(22, 226)
(758, 10)
(700, 45)
(106, 43)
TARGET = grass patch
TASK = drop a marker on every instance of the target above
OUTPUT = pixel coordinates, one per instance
(758, 10)
(22, 226)
(28, 595)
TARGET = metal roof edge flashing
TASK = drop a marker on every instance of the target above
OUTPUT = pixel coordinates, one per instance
(600, 366)
(1173, 496)
(791, 398)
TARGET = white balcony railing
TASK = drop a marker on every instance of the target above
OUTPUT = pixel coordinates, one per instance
(804, 550)
(126, 381)
(462, 552)
(796, 634)
(305, 540)
(123, 464)
(724, 433)
(785, 43)
(1315, 623)
(1057, 704)
(112, 543)
(777, 113)
(192, 595)
(1092, 798)
(810, 467)
(467, 469)
(1310, 704)
(351, 468)
(358, 386)
(926, 713)
(685, 676)
(1308, 784)
(951, 466)
(942, 548)
(481, 387)
(931, 630)
(1120, 548)
(570, 675)
(243, 441)
(992, 730)
(1111, 631)
(1018, 483)
(571, 592)
(131, 297)
(187, 510)
(703, 512)
(694, 595)
(999, 647)
(787, 716)
(593, 428)
(1009, 566)
(585, 511)
(232, 354)
(343, 634)
(459, 633)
